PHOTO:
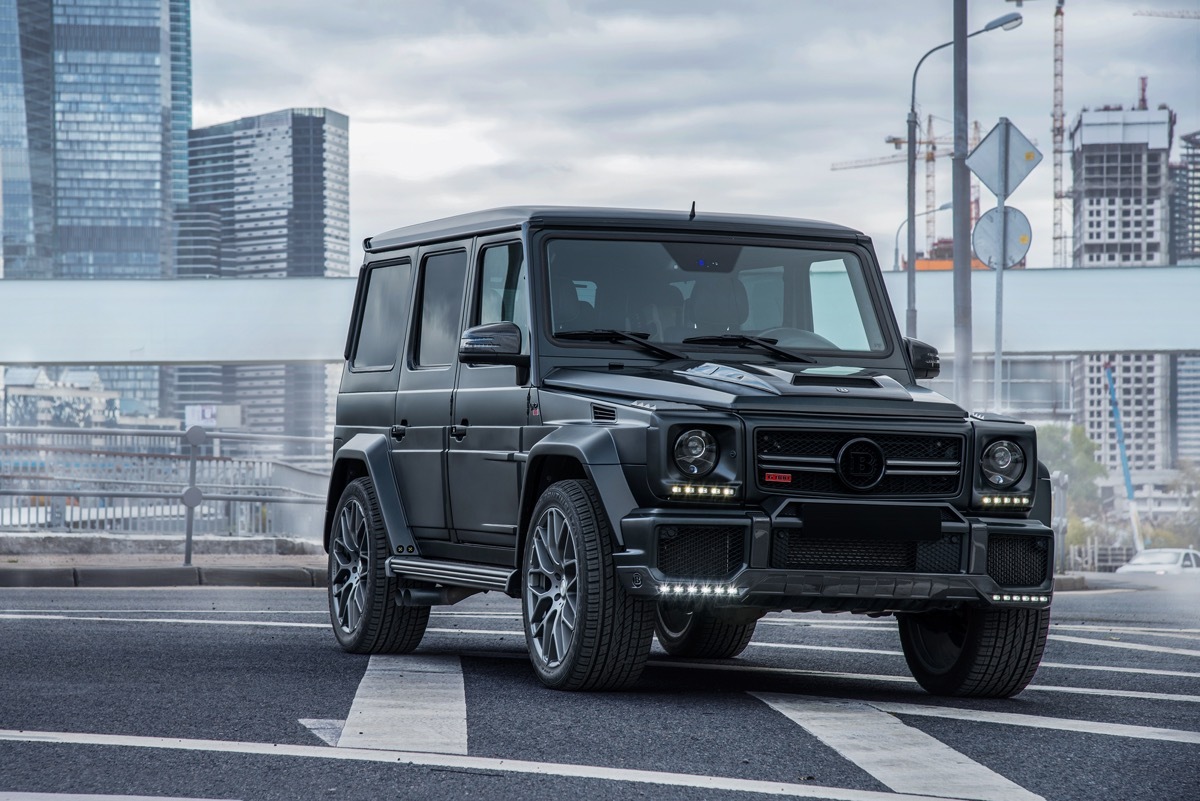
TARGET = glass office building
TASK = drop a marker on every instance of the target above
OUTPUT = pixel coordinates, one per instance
(277, 188)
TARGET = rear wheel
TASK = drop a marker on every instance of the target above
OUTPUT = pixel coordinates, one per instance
(699, 634)
(988, 653)
(583, 631)
(362, 597)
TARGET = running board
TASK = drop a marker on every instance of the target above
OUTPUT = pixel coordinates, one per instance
(455, 574)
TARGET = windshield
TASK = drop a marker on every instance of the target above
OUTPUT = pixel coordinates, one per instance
(1155, 558)
(673, 291)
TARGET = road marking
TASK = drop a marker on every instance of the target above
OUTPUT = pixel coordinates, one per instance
(1131, 646)
(271, 623)
(89, 797)
(838, 648)
(409, 703)
(1036, 722)
(1182, 634)
(326, 729)
(651, 777)
(1183, 674)
(904, 758)
(827, 674)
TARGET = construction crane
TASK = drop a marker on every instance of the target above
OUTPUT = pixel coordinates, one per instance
(1116, 413)
(1060, 238)
(930, 143)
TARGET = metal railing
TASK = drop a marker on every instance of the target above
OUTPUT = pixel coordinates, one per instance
(93, 479)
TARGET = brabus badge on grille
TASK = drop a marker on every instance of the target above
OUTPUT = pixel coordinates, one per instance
(860, 464)
(842, 389)
(778, 478)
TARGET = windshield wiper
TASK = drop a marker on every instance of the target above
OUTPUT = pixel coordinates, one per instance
(639, 338)
(744, 340)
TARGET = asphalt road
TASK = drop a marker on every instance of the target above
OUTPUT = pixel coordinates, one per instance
(219, 693)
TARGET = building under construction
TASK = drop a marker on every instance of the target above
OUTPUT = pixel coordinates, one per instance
(1121, 187)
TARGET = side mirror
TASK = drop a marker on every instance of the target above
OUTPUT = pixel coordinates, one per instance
(492, 343)
(924, 357)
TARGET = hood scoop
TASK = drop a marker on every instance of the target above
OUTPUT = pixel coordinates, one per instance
(850, 382)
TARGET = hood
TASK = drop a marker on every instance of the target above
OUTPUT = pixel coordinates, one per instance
(760, 388)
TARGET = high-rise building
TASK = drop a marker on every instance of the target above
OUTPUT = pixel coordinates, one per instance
(27, 208)
(95, 107)
(1187, 408)
(1185, 202)
(1144, 385)
(268, 198)
(1120, 172)
(280, 182)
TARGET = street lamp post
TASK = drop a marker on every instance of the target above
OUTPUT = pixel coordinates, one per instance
(904, 222)
(1007, 22)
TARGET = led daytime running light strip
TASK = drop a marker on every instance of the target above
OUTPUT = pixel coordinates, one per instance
(699, 590)
(703, 491)
(1036, 599)
(1006, 500)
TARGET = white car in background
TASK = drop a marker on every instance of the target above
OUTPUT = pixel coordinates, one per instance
(1163, 562)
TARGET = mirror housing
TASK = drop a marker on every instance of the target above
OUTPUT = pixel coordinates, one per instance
(492, 343)
(924, 358)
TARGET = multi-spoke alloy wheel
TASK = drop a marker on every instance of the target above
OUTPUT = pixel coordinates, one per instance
(552, 588)
(583, 631)
(348, 567)
(362, 608)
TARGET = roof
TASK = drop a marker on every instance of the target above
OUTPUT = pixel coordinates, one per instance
(513, 217)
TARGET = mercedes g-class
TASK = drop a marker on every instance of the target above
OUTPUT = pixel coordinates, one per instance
(662, 423)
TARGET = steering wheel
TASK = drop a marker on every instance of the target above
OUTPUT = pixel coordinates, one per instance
(797, 338)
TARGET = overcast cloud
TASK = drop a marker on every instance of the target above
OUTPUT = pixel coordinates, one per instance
(456, 106)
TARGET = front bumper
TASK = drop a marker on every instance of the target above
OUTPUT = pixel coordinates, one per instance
(752, 559)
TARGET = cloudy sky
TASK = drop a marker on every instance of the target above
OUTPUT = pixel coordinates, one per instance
(742, 107)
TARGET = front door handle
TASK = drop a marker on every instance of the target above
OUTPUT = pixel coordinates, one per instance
(459, 431)
(398, 432)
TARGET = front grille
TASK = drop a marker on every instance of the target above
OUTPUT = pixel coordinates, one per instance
(1018, 561)
(805, 462)
(791, 550)
(702, 552)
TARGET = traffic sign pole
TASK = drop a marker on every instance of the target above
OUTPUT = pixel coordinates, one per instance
(1001, 197)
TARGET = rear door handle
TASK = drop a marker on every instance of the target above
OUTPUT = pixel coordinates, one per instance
(398, 432)
(459, 431)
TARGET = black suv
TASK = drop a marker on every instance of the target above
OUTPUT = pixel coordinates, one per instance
(646, 422)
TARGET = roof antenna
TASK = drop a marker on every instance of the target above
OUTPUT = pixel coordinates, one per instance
(692, 216)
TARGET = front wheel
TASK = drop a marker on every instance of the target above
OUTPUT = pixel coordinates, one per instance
(362, 597)
(987, 653)
(583, 631)
(699, 634)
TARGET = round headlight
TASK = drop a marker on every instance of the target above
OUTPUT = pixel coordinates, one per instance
(1003, 463)
(695, 453)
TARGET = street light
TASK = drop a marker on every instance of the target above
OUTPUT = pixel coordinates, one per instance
(1007, 22)
(904, 222)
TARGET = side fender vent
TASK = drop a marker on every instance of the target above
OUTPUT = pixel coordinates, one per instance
(603, 414)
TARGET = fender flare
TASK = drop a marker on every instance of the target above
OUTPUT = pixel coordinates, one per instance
(371, 454)
(596, 450)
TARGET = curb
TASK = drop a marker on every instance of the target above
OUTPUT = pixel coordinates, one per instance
(1069, 583)
(25, 577)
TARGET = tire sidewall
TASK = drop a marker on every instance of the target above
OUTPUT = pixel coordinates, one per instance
(377, 581)
(588, 561)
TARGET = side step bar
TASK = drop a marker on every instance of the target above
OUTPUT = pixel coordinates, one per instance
(455, 574)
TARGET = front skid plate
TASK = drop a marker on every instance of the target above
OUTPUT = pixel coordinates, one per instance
(766, 588)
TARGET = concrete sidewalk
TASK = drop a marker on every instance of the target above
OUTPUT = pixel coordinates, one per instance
(141, 560)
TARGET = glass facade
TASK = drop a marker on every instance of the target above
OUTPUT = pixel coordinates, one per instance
(269, 197)
(112, 121)
(26, 139)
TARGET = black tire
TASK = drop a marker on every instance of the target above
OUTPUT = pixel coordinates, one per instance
(699, 634)
(362, 605)
(985, 653)
(583, 631)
